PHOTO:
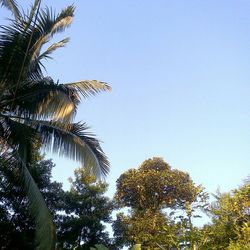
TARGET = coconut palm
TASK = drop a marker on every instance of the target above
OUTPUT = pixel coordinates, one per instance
(36, 110)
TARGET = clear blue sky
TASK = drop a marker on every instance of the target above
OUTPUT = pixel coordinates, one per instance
(180, 73)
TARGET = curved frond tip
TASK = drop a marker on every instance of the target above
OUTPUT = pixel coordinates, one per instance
(12, 6)
(88, 87)
(74, 142)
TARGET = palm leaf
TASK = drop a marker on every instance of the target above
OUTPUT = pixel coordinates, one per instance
(46, 99)
(48, 24)
(41, 99)
(37, 61)
(15, 38)
(88, 88)
(14, 132)
(13, 48)
(67, 140)
(29, 18)
(12, 6)
(51, 49)
(73, 141)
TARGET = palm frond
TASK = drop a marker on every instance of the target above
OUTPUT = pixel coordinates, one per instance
(63, 20)
(52, 48)
(14, 132)
(45, 99)
(12, 6)
(67, 140)
(66, 105)
(73, 141)
(88, 87)
(28, 19)
(37, 61)
(13, 46)
(28, 101)
(48, 24)
(41, 99)
(14, 39)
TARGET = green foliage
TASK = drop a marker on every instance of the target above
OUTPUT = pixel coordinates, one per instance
(86, 209)
(230, 228)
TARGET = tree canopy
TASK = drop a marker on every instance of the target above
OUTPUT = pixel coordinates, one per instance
(86, 211)
(154, 193)
(154, 186)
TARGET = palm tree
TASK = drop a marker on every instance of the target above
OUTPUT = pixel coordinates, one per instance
(36, 110)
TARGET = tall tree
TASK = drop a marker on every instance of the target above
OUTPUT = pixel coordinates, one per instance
(86, 209)
(35, 109)
(153, 192)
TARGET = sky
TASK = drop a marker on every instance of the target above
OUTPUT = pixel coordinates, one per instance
(179, 72)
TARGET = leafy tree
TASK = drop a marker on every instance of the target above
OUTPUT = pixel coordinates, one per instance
(154, 186)
(153, 193)
(17, 227)
(35, 109)
(86, 210)
(230, 228)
